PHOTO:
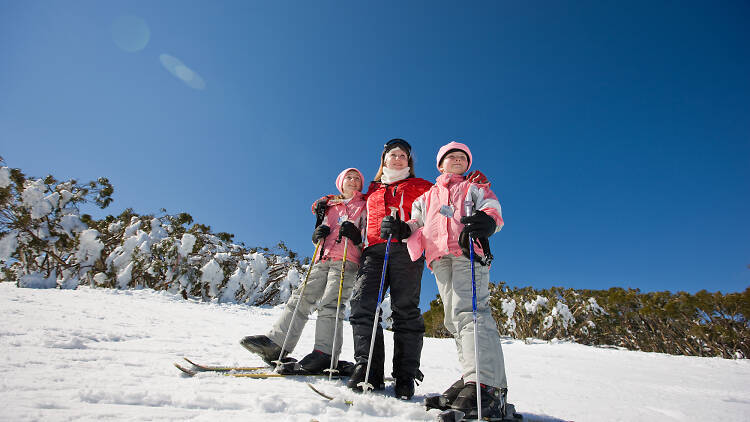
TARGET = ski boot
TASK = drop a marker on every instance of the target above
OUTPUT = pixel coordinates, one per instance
(493, 402)
(264, 347)
(316, 363)
(404, 387)
(358, 376)
(312, 364)
(444, 401)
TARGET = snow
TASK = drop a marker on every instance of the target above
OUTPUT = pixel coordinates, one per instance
(89, 248)
(212, 275)
(4, 177)
(560, 312)
(65, 197)
(105, 354)
(125, 276)
(72, 224)
(38, 281)
(157, 231)
(509, 307)
(533, 305)
(595, 308)
(8, 244)
(33, 198)
(186, 245)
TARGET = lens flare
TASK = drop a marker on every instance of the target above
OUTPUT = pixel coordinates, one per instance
(130, 33)
(180, 71)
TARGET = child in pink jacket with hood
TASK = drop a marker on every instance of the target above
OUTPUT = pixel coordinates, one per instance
(344, 216)
(440, 230)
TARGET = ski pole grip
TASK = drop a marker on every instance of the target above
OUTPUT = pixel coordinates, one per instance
(468, 208)
(394, 212)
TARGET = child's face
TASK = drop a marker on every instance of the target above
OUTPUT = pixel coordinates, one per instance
(456, 162)
(352, 183)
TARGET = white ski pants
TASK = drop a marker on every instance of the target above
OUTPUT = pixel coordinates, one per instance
(453, 276)
(323, 286)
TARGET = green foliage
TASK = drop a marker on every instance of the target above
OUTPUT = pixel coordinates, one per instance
(701, 324)
(433, 319)
(128, 250)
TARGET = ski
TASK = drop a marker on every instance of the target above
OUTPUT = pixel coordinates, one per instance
(255, 375)
(186, 371)
(212, 368)
(261, 375)
(326, 396)
(329, 397)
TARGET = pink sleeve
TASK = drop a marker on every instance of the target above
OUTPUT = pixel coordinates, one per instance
(415, 245)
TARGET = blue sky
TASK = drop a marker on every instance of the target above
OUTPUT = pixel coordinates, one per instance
(616, 134)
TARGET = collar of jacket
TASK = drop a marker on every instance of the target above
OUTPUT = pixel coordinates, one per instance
(394, 183)
(447, 179)
(357, 195)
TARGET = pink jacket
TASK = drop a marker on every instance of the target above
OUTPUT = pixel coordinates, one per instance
(437, 235)
(337, 212)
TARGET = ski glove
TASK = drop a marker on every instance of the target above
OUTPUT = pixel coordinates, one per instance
(399, 229)
(483, 242)
(479, 224)
(320, 232)
(320, 210)
(351, 231)
(478, 177)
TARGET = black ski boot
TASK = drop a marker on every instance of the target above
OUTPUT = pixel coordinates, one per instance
(314, 363)
(358, 376)
(404, 388)
(263, 347)
(345, 368)
(493, 402)
(445, 400)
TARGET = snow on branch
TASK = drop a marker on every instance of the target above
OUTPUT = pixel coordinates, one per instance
(703, 324)
(46, 242)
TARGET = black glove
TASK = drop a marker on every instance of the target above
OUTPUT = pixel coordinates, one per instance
(399, 229)
(320, 210)
(351, 231)
(320, 232)
(479, 225)
(483, 242)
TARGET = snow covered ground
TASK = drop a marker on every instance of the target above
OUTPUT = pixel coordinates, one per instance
(99, 354)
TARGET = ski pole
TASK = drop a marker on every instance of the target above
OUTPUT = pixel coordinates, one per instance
(469, 211)
(278, 362)
(365, 385)
(338, 307)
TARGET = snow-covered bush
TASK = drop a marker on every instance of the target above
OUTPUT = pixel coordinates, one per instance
(704, 324)
(46, 242)
(43, 241)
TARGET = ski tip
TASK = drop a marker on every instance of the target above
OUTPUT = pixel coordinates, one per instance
(319, 392)
(184, 370)
(327, 397)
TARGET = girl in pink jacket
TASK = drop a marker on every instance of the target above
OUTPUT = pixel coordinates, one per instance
(343, 216)
(440, 230)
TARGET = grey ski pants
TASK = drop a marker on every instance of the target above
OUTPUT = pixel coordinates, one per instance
(323, 286)
(453, 276)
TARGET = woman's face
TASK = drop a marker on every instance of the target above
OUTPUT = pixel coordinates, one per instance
(396, 159)
(352, 183)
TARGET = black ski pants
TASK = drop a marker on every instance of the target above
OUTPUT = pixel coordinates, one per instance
(404, 278)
